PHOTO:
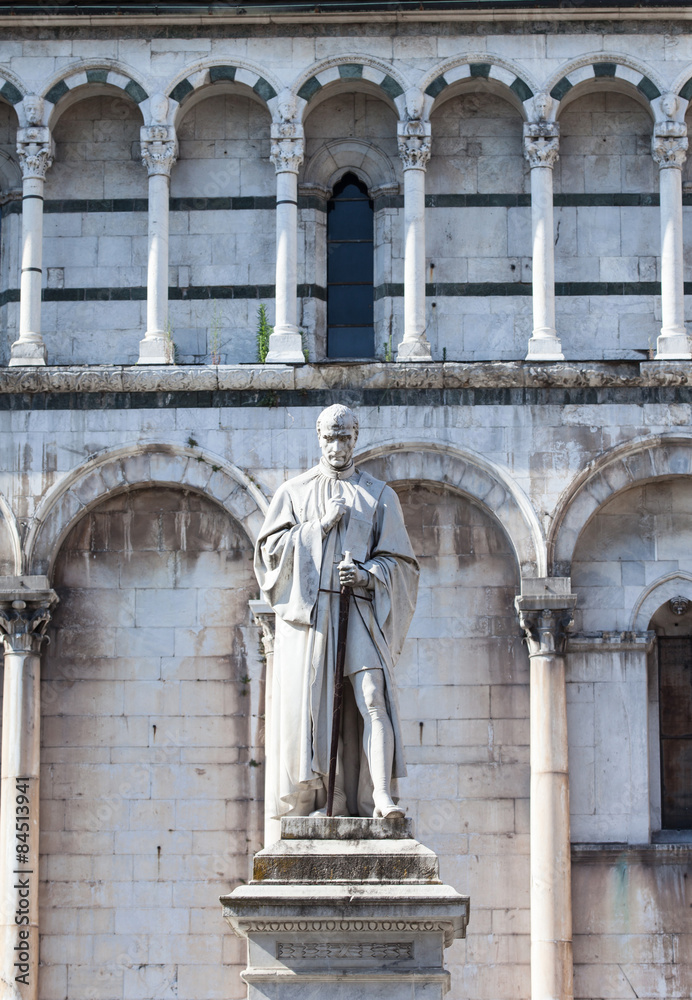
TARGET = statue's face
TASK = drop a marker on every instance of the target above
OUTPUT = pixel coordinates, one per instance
(337, 442)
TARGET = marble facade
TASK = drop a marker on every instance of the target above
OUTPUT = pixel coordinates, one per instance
(134, 492)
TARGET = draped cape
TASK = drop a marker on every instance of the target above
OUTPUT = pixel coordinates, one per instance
(296, 567)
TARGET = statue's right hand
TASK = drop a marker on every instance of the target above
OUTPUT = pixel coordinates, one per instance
(335, 510)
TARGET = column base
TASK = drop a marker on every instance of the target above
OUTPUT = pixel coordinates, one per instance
(28, 352)
(545, 348)
(414, 350)
(155, 350)
(675, 345)
(348, 908)
(285, 347)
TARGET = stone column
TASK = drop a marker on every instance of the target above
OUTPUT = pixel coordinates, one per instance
(541, 147)
(159, 152)
(414, 137)
(545, 613)
(24, 616)
(287, 150)
(35, 150)
(669, 150)
(264, 617)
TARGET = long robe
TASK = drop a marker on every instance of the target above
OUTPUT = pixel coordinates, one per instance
(297, 569)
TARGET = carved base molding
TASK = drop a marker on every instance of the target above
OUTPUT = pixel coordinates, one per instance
(379, 935)
(357, 375)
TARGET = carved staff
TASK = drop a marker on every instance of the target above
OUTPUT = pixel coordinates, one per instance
(344, 608)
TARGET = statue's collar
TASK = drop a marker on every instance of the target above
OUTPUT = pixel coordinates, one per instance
(326, 470)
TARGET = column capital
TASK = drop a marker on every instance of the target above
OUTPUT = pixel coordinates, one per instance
(288, 146)
(414, 138)
(541, 143)
(264, 616)
(25, 612)
(546, 622)
(35, 149)
(669, 144)
(159, 147)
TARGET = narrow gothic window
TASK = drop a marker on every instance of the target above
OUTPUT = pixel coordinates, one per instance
(350, 332)
(675, 706)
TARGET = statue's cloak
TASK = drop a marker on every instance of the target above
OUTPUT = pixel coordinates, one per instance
(297, 570)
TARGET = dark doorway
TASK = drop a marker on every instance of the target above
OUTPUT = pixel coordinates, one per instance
(675, 705)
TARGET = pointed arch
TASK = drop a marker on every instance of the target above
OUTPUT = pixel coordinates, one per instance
(134, 466)
(474, 475)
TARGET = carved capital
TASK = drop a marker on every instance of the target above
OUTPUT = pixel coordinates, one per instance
(541, 143)
(264, 617)
(35, 149)
(668, 150)
(24, 620)
(545, 630)
(159, 148)
(415, 141)
(288, 148)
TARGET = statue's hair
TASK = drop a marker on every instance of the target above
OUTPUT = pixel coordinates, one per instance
(338, 415)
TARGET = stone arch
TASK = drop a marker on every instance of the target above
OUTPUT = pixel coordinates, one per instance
(99, 74)
(482, 66)
(131, 467)
(480, 479)
(637, 78)
(631, 464)
(354, 67)
(10, 544)
(363, 158)
(660, 591)
(203, 76)
(12, 89)
(683, 85)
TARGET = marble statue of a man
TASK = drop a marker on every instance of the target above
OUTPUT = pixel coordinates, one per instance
(313, 520)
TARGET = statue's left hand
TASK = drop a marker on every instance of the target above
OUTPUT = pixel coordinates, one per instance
(351, 575)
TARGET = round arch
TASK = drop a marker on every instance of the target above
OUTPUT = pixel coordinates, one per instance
(205, 75)
(661, 590)
(586, 73)
(132, 467)
(382, 77)
(508, 80)
(97, 74)
(683, 85)
(634, 463)
(338, 156)
(483, 481)
(12, 89)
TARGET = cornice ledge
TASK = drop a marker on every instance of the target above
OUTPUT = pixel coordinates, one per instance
(345, 375)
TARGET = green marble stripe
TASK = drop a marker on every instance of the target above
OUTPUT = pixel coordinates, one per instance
(9, 295)
(97, 75)
(351, 71)
(217, 73)
(309, 88)
(686, 91)
(604, 69)
(391, 87)
(436, 87)
(561, 88)
(264, 89)
(521, 89)
(137, 93)
(181, 90)
(57, 91)
(648, 88)
(480, 69)
(10, 93)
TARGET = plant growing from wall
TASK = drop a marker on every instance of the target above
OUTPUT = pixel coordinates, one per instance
(264, 332)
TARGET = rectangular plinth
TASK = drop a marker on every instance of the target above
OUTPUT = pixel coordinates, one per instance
(364, 918)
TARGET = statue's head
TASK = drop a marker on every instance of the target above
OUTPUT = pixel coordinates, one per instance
(337, 432)
(158, 107)
(542, 104)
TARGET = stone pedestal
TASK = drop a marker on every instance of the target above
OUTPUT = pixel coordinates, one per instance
(345, 908)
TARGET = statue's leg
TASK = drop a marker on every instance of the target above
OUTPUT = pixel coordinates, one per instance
(378, 737)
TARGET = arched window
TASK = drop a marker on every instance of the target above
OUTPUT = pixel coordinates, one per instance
(350, 331)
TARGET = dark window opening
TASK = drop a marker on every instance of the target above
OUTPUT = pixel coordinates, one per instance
(675, 707)
(350, 330)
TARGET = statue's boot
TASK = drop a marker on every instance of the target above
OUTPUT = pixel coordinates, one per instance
(385, 807)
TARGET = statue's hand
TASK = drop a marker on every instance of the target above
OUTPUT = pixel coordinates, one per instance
(335, 508)
(351, 575)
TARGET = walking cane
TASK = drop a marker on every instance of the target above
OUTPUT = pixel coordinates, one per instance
(344, 608)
